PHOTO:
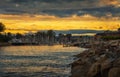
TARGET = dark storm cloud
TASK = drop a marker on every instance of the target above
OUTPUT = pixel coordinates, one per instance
(99, 11)
(61, 8)
(47, 1)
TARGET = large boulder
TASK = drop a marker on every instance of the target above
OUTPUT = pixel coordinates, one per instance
(94, 70)
(105, 67)
(77, 71)
(78, 63)
(80, 70)
(116, 63)
(114, 72)
(107, 64)
(100, 68)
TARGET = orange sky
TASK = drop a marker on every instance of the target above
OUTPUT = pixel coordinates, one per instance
(21, 23)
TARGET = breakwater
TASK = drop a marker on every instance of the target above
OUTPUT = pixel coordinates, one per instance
(101, 60)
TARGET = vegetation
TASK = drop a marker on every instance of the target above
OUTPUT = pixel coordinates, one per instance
(2, 27)
(69, 36)
(51, 35)
(3, 38)
(40, 37)
(110, 37)
(118, 29)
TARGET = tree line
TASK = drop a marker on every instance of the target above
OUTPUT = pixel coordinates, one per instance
(42, 37)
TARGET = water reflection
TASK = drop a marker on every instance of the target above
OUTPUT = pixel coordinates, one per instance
(41, 61)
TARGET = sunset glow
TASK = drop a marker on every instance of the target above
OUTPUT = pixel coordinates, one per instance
(33, 15)
(24, 23)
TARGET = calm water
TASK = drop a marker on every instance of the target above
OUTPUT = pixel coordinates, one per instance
(36, 61)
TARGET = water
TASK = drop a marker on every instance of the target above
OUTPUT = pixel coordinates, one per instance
(36, 61)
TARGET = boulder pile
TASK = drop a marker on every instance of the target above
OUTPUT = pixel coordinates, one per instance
(98, 61)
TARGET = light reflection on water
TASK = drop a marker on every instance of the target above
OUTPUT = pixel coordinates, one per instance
(36, 61)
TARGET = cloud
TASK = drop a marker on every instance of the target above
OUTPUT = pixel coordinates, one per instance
(47, 1)
(98, 12)
(110, 2)
(61, 8)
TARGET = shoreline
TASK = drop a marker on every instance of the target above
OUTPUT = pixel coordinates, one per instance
(101, 60)
(4, 44)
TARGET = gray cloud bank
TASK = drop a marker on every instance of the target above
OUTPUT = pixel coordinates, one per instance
(62, 8)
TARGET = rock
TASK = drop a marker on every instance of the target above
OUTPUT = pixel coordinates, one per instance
(105, 67)
(83, 54)
(77, 63)
(102, 59)
(80, 70)
(103, 62)
(106, 64)
(116, 63)
(114, 72)
(94, 70)
(77, 71)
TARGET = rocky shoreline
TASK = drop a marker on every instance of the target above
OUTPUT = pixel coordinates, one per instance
(101, 60)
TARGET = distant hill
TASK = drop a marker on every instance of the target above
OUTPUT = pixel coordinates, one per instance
(77, 31)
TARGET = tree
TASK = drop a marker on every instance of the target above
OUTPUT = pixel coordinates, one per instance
(118, 29)
(51, 35)
(69, 37)
(2, 27)
(18, 35)
(9, 35)
(38, 36)
(61, 38)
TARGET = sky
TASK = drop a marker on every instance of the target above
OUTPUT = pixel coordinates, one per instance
(32, 15)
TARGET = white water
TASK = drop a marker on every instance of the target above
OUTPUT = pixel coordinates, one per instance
(36, 61)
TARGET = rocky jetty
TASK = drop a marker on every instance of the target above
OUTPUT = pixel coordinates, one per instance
(101, 60)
